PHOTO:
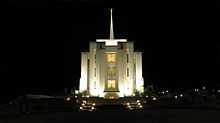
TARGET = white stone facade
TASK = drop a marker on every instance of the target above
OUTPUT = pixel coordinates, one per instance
(128, 72)
(111, 68)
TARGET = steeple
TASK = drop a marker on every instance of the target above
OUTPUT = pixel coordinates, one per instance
(111, 41)
(111, 27)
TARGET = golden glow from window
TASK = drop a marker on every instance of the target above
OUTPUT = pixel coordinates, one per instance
(111, 72)
(111, 83)
(111, 57)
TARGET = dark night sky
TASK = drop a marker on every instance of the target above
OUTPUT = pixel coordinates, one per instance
(44, 40)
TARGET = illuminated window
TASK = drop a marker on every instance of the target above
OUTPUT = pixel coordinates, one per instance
(127, 72)
(111, 83)
(111, 57)
(95, 58)
(95, 72)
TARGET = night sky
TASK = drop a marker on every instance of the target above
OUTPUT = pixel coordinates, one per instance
(43, 41)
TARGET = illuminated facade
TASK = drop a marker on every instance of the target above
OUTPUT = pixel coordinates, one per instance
(111, 68)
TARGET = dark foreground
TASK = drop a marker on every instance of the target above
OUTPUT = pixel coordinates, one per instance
(58, 110)
(147, 116)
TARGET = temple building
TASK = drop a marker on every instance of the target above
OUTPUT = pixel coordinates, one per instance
(111, 68)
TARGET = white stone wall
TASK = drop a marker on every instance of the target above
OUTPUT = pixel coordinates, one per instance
(139, 78)
(84, 74)
(93, 89)
(130, 67)
(121, 73)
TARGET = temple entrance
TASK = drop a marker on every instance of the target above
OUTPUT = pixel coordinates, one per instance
(111, 95)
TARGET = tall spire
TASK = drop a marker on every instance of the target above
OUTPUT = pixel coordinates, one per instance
(111, 41)
(111, 27)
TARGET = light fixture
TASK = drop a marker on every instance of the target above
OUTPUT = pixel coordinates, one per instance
(68, 99)
(175, 96)
(196, 90)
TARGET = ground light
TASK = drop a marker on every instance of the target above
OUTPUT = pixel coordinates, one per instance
(87, 106)
(196, 90)
(68, 99)
(154, 98)
(175, 96)
(134, 106)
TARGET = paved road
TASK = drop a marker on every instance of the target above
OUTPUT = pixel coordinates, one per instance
(147, 116)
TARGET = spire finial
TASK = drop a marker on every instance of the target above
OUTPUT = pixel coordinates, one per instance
(111, 27)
